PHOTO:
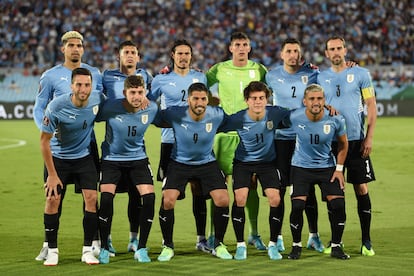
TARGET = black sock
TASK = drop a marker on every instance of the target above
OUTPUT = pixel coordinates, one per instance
(338, 219)
(364, 213)
(90, 226)
(311, 210)
(146, 218)
(134, 209)
(238, 218)
(275, 222)
(221, 220)
(200, 214)
(329, 207)
(296, 219)
(105, 217)
(51, 223)
(282, 207)
(96, 235)
(166, 218)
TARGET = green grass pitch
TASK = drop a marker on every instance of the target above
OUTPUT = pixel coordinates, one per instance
(22, 203)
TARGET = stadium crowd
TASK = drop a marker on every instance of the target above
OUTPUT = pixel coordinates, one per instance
(377, 32)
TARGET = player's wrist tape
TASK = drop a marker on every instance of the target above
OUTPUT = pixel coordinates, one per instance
(339, 167)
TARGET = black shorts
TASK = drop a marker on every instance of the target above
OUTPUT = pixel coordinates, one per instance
(208, 175)
(136, 172)
(165, 158)
(303, 179)
(95, 155)
(267, 174)
(81, 172)
(358, 170)
(284, 153)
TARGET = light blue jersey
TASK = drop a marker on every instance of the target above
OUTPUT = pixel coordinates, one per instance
(113, 82)
(57, 81)
(193, 139)
(345, 91)
(314, 139)
(71, 126)
(256, 137)
(288, 91)
(124, 136)
(171, 90)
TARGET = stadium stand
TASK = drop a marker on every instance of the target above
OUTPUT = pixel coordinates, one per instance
(378, 33)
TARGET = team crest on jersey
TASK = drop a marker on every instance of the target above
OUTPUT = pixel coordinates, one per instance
(196, 80)
(252, 74)
(95, 109)
(305, 79)
(350, 78)
(269, 125)
(144, 119)
(326, 129)
(209, 127)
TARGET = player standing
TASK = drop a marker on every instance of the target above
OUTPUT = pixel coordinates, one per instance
(192, 158)
(57, 81)
(113, 86)
(350, 90)
(65, 145)
(255, 155)
(231, 77)
(314, 163)
(287, 82)
(171, 90)
(124, 158)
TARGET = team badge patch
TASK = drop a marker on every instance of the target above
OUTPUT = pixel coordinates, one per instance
(305, 79)
(252, 74)
(144, 119)
(269, 125)
(95, 109)
(350, 78)
(209, 127)
(326, 129)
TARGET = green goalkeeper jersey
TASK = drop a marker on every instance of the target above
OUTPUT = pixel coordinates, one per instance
(231, 82)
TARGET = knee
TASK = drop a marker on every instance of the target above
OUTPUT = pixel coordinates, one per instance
(274, 201)
(148, 199)
(337, 203)
(361, 189)
(240, 199)
(52, 205)
(221, 200)
(90, 197)
(298, 205)
(168, 202)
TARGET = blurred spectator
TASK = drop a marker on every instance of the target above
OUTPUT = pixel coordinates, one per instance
(14, 86)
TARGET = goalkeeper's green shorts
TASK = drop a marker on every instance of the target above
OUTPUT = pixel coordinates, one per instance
(225, 145)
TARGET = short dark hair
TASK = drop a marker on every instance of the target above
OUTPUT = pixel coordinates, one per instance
(126, 43)
(134, 81)
(290, 41)
(334, 38)
(238, 35)
(80, 71)
(256, 86)
(197, 86)
(177, 43)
